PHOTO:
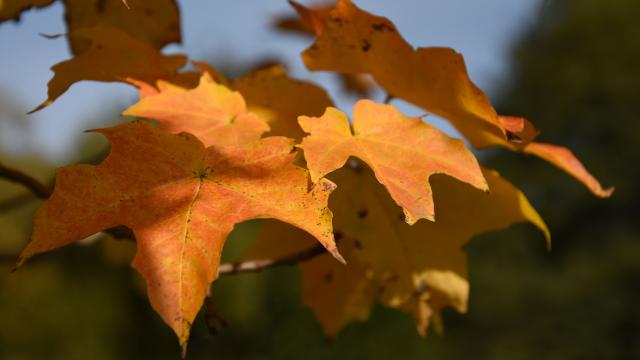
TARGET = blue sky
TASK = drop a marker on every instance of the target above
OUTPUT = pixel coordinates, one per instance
(213, 29)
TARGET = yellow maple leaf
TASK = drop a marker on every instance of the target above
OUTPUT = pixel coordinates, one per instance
(419, 269)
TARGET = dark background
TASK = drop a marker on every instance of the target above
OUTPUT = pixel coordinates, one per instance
(575, 75)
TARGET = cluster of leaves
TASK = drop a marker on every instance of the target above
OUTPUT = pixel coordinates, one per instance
(203, 164)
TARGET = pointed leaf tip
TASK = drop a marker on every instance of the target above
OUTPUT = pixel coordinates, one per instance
(336, 254)
(183, 350)
(565, 159)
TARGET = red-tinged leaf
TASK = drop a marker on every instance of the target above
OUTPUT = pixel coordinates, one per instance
(212, 112)
(403, 153)
(520, 131)
(565, 160)
(113, 56)
(181, 200)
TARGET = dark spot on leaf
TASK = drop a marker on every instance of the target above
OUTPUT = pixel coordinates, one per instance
(382, 27)
(328, 277)
(366, 45)
(362, 214)
(358, 244)
(326, 186)
(100, 4)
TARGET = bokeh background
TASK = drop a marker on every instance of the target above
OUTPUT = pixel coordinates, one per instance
(568, 65)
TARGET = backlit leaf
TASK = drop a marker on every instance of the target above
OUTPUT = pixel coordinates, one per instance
(181, 200)
(212, 112)
(403, 153)
(350, 40)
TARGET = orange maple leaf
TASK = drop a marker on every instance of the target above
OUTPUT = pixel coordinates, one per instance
(269, 93)
(211, 111)
(181, 200)
(403, 152)
(350, 40)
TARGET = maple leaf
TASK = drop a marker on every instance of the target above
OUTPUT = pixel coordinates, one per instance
(270, 93)
(350, 40)
(11, 10)
(181, 200)
(113, 56)
(419, 269)
(211, 111)
(155, 22)
(403, 152)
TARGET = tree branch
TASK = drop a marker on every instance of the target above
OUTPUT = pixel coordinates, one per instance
(243, 266)
(36, 187)
(258, 265)
(42, 191)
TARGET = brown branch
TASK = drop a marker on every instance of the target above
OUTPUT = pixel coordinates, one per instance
(43, 191)
(36, 187)
(243, 266)
(258, 265)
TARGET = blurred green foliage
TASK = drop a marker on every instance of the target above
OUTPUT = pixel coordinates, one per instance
(575, 75)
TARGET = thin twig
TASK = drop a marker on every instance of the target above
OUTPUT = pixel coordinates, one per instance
(242, 266)
(258, 265)
(36, 187)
